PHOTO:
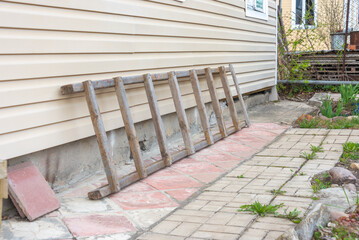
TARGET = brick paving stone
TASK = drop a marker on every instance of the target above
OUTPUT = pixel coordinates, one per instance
(220, 218)
(229, 209)
(273, 235)
(273, 152)
(157, 236)
(271, 226)
(241, 220)
(215, 198)
(185, 229)
(221, 228)
(196, 204)
(195, 213)
(301, 131)
(182, 218)
(253, 234)
(214, 235)
(256, 189)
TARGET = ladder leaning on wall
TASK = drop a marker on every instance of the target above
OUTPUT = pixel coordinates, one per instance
(115, 182)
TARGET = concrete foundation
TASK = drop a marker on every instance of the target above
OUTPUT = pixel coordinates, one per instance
(70, 163)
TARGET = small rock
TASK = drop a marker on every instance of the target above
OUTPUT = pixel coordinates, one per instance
(351, 209)
(338, 118)
(324, 118)
(335, 198)
(341, 176)
(354, 166)
(335, 185)
(318, 216)
(334, 215)
(352, 117)
(350, 187)
(291, 234)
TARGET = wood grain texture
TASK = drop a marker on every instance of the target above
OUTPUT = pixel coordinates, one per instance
(215, 102)
(157, 120)
(236, 84)
(201, 107)
(229, 97)
(129, 127)
(104, 146)
(181, 114)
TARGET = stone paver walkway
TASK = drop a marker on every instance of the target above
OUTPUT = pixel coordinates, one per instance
(213, 213)
(137, 207)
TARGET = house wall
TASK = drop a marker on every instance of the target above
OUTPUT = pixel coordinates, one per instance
(45, 44)
(320, 36)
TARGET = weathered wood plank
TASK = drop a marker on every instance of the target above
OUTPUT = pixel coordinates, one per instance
(215, 102)
(229, 97)
(108, 83)
(129, 127)
(181, 113)
(201, 107)
(157, 120)
(104, 146)
(236, 84)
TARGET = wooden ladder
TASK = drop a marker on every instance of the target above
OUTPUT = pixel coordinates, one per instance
(115, 182)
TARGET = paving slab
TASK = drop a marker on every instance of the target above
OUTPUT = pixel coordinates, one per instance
(214, 213)
(140, 205)
(30, 192)
(43, 229)
(98, 224)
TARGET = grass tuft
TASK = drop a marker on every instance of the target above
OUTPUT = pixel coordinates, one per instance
(260, 209)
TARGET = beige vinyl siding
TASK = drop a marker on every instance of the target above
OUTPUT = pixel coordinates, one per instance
(45, 44)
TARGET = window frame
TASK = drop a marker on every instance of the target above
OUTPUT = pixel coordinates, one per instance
(304, 10)
(255, 12)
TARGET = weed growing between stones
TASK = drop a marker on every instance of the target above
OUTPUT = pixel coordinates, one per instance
(260, 209)
(308, 156)
(301, 174)
(350, 157)
(316, 149)
(290, 215)
(320, 182)
(263, 209)
(277, 192)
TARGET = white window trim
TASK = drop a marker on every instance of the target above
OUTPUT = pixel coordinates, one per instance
(257, 14)
(303, 26)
